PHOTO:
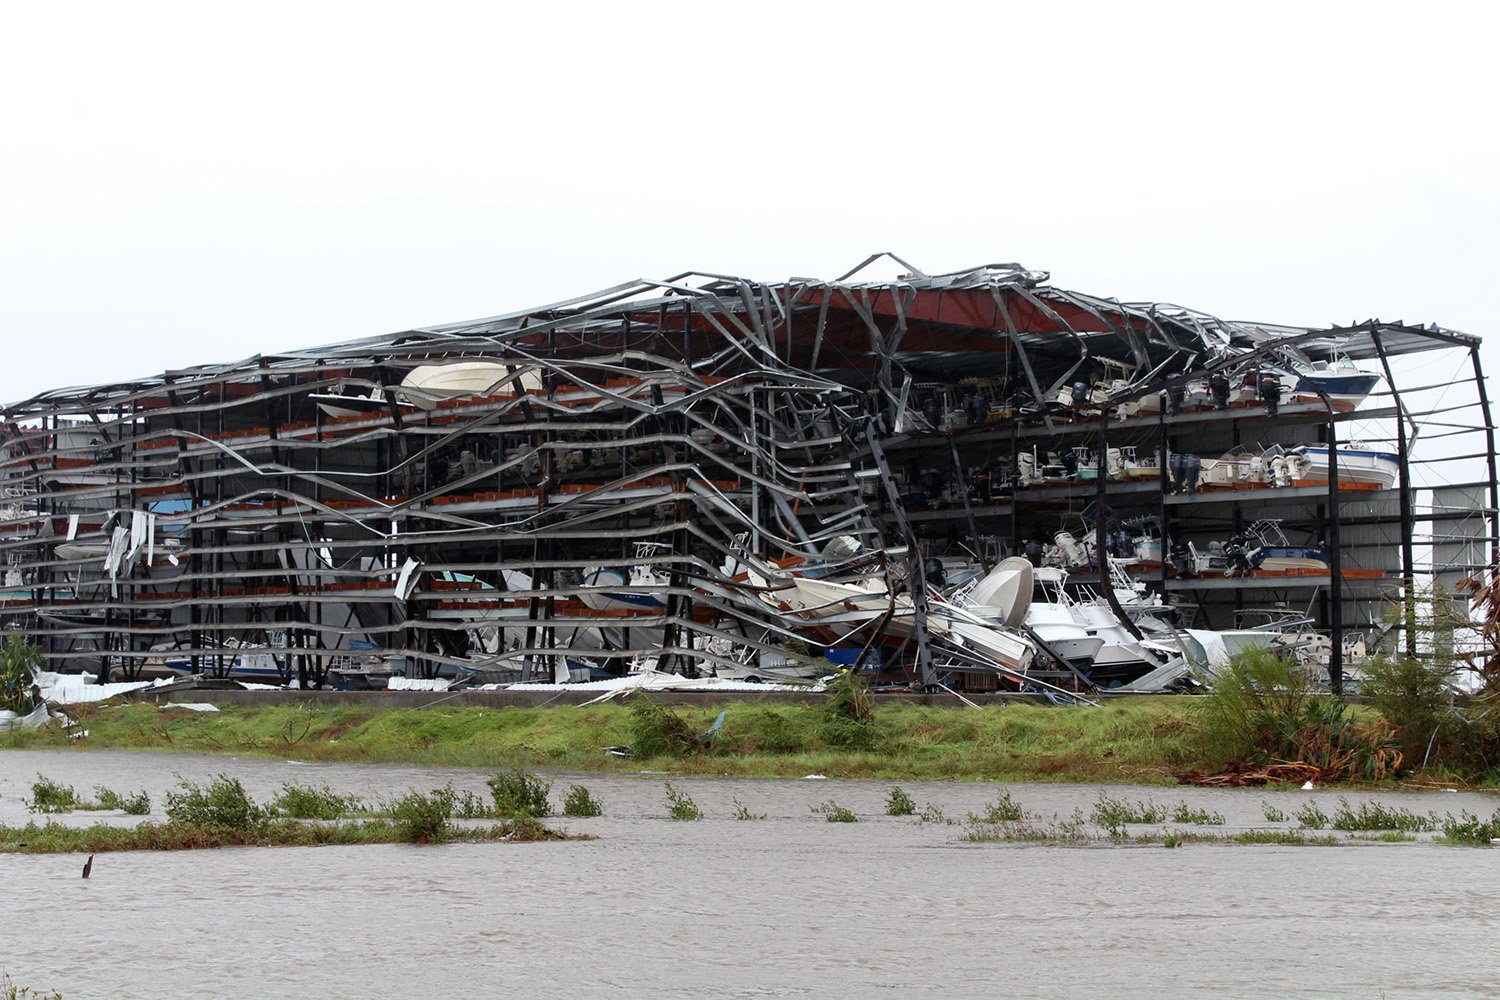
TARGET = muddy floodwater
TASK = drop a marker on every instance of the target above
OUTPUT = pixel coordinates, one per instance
(785, 906)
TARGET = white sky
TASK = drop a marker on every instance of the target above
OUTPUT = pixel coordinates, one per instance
(188, 183)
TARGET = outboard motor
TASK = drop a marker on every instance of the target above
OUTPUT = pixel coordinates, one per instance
(1069, 461)
(1270, 393)
(1033, 552)
(1080, 393)
(933, 572)
(1190, 466)
(933, 411)
(976, 408)
(1175, 471)
(1176, 396)
(1218, 390)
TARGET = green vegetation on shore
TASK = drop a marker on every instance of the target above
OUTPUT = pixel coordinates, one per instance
(1143, 740)
(1263, 723)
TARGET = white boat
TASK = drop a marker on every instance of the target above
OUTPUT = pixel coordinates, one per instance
(1356, 465)
(428, 385)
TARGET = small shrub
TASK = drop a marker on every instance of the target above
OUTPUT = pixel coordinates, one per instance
(680, 806)
(1377, 816)
(1310, 817)
(518, 793)
(467, 805)
(1196, 817)
(657, 731)
(306, 802)
(1114, 814)
(1292, 838)
(898, 803)
(849, 699)
(580, 803)
(224, 803)
(742, 812)
(1171, 840)
(932, 813)
(138, 804)
(423, 818)
(849, 714)
(1411, 695)
(1470, 829)
(1005, 809)
(1272, 814)
(835, 813)
(47, 796)
(769, 731)
(19, 660)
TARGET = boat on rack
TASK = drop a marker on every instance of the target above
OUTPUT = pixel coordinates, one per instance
(1356, 465)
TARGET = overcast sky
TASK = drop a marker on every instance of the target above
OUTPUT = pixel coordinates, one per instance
(189, 183)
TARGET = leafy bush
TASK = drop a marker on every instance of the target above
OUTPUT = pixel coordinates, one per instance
(680, 806)
(657, 731)
(933, 813)
(466, 805)
(1243, 711)
(1378, 816)
(224, 803)
(1005, 809)
(849, 698)
(1196, 817)
(742, 812)
(138, 804)
(580, 803)
(518, 793)
(423, 818)
(1411, 695)
(898, 803)
(1273, 815)
(1310, 817)
(47, 796)
(769, 731)
(1113, 814)
(835, 813)
(19, 660)
(1263, 710)
(306, 802)
(1469, 829)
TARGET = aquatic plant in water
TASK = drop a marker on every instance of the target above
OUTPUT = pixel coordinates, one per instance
(898, 803)
(1466, 828)
(742, 812)
(1310, 817)
(1378, 816)
(1272, 814)
(1196, 817)
(680, 806)
(1005, 809)
(307, 802)
(224, 803)
(519, 793)
(423, 818)
(580, 802)
(48, 796)
(835, 813)
(1113, 814)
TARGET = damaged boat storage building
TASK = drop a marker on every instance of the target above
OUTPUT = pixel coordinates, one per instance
(644, 475)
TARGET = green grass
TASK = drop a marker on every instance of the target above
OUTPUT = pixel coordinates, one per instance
(1139, 741)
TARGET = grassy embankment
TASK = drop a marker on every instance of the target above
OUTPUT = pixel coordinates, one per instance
(1141, 740)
